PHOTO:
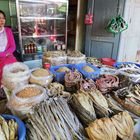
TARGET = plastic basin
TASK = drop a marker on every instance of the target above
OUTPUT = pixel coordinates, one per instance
(21, 126)
(108, 61)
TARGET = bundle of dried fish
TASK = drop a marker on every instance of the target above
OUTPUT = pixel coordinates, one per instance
(94, 61)
(83, 107)
(123, 124)
(53, 120)
(120, 125)
(72, 78)
(88, 88)
(8, 129)
(102, 129)
(113, 105)
(100, 103)
(87, 85)
(107, 82)
(124, 81)
(129, 98)
(57, 90)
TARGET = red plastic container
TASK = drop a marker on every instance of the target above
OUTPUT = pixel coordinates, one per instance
(47, 65)
(108, 61)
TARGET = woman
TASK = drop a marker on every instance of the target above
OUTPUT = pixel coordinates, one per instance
(7, 44)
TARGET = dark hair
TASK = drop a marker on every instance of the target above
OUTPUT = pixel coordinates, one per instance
(3, 13)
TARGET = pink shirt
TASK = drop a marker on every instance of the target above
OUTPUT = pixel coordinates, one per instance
(10, 48)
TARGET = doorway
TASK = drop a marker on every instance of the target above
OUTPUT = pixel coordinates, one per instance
(99, 42)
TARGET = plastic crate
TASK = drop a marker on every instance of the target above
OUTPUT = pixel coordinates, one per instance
(59, 76)
(21, 126)
(89, 75)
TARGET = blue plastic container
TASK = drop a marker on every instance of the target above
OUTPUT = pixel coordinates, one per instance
(21, 126)
(59, 76)
(89, 75)
(117, 64)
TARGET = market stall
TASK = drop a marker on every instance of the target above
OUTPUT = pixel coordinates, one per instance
(74, 97)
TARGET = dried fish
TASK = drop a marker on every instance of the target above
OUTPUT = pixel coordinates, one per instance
(100, 103)
(53, 120)
(113, 105)
(83, 107)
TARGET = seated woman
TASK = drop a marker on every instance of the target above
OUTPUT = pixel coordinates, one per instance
(7, 44)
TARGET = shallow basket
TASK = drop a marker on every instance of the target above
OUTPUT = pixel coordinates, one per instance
(59, 76)
(21, 126)
(89, 75)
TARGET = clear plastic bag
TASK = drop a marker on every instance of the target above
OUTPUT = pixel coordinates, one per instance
(16, 69)
(55, 61)
(76, 60)
(42, 81)
(21, 106)
(15, 74)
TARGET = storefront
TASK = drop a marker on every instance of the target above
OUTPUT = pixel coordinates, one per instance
(68, 84)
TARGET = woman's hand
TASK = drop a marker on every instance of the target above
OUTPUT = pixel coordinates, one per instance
(8, 54)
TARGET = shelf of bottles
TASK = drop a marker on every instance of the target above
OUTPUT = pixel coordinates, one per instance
(42, 26)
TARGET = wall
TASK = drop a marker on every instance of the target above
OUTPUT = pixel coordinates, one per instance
(129, 49)
(4, 6)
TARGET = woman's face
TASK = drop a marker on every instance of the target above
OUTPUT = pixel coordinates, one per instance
(2, 20)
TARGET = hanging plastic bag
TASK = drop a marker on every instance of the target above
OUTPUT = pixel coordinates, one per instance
(117, 25)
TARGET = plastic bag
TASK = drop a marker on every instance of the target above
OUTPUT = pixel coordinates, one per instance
(55, 61)
(76, 60)
(117, 25)
(15, 74)
(42, 81)
(109, 71)
(24, 105)
(16, 69)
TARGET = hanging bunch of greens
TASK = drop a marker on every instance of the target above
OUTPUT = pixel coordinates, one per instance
(117, 25)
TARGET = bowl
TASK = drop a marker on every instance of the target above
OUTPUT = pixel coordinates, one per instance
(21, 126)
(108, 61)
